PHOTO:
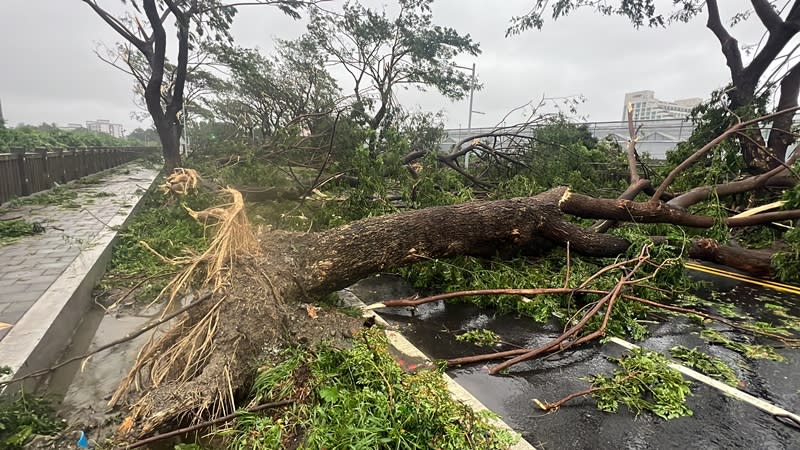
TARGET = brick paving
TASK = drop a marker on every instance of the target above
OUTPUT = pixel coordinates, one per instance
(30, 265)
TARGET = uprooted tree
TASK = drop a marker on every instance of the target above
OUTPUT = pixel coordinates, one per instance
(253, 280)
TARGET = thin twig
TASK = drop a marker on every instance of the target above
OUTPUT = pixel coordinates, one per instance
(703, 150)
(127, 338)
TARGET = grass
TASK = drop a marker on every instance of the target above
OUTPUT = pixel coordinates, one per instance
(24, 417)
(166, 227)
(360, 398)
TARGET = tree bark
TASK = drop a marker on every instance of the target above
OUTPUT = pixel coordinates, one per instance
(170, 137)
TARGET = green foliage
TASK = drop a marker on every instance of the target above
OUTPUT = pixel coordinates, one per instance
(383, 53)
(263, 95)
(565, 154)
(639, 12)
(746, 348)
(24, 417)
(724, 162)
(165, 227)
(481, 337)
(707, 364)
(466, 273)
(360, 398)
(30, 137)
(644, 382)
(787, 262)
(63, 196)
(11, 230)
(145, 136)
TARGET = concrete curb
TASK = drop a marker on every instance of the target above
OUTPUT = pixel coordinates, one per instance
(402, 345)
(40, 337)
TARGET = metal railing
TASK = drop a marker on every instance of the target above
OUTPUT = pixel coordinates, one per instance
(656, 137)
(27, 171)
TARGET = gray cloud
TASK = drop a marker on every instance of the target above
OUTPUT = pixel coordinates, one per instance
(50, 72)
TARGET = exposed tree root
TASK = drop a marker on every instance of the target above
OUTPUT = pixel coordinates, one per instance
(207, 423)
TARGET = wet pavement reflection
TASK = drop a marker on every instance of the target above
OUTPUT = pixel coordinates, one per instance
(719, 422)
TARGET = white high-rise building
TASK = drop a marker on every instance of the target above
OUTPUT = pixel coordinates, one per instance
(647, 107)
(105, 126)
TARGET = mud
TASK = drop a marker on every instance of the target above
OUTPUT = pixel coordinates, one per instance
(84, 387)
(719, 422)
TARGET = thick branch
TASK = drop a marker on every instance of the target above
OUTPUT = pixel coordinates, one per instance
(156, 60)
(117, 26)
(780, 33)
(767, 14)
(341, 256)
(730, 46)
(702, 193)
(780, 140)
(641, 212)
(706, 148)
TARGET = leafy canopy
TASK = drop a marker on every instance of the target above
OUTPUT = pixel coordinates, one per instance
(639, 12)
(381, 52)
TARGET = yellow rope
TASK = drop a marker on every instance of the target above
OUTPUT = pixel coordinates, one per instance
(780, 287)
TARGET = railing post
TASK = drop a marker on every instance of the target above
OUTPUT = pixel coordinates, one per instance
(79, 160)
(48, 180)
(25, 185)
(62, 172)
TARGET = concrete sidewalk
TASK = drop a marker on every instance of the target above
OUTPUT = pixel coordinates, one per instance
(31, 266)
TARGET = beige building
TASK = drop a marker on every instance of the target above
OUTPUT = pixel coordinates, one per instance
(647, 107)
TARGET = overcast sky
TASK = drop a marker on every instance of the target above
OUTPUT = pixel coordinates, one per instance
(50, 73)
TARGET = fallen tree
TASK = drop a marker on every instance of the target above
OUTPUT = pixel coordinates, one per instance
(196, 368)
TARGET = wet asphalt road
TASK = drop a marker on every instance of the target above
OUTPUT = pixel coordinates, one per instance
(718, 422)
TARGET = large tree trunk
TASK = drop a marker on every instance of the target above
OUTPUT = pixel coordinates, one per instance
(256, 304)
(170, 137)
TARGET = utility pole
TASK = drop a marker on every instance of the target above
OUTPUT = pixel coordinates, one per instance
(471, 97)
(185, 129)
(469, 119)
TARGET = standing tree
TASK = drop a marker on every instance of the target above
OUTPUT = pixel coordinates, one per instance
(145, 27)
(751, 83)
(145, 135)
(381, 53)
(266, 94)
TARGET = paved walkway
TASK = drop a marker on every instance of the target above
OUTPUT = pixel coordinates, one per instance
(30, 265)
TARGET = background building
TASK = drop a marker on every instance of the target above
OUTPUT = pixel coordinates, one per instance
(70, 127)
(647, 107)
(105, 126)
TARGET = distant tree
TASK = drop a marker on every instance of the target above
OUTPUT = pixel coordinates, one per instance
(381, 53)
(195, 21)
(267, 93)
(149, 135)
(751, 84)
(48, 135)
